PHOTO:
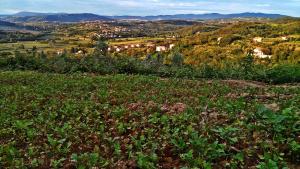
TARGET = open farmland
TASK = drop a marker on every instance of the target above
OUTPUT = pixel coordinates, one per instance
(118, 121)
(126, 41)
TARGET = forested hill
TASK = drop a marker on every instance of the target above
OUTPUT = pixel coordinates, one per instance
(5, 23)
(212, 44)
(64, 17)
(58, 18)
(201, 16)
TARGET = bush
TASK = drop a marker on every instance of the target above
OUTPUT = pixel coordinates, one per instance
(244, 69)
(177, 59)
(284, 74)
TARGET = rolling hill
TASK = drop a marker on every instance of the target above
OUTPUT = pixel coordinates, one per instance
(64, 17)
(26, 14)
(200, 16)
(60, 17)
(5, 23)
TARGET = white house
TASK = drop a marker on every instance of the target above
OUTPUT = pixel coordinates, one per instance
(79, 52)
(118, 49)
(260, 54)
(137, 45)
(109, 49)
(59, 52)
(126, 47)
(257, 39)
(132, 46)
(219, 39)
(284, 38)
(172, 46)
(160, 48)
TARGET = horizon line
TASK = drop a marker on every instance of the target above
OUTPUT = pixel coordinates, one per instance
(146, 15)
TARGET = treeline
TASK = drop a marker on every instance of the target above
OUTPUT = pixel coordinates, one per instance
(15, 36)
(245, 69)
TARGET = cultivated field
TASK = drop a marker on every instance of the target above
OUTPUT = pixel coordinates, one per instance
(120, 121)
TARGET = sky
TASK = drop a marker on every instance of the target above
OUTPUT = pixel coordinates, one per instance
(152, 7)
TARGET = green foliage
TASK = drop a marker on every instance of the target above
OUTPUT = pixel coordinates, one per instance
(286, 73)
(101, 47)
(244, 69)
(146, 161)
(177, 59)
(84, 121)
(229, 39)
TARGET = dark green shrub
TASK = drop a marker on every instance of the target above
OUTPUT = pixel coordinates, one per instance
(244, 69)
(284, 74)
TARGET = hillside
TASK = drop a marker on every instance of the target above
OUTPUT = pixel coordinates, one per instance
(232, 41)
(201, 16)
(58, 18)
(27, 14)
(10, 26)
(69, 121)
(64, 17)
(4, 23)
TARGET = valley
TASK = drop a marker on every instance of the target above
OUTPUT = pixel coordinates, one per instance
(181, 91)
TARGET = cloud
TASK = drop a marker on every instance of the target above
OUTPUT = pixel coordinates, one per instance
(263, 5)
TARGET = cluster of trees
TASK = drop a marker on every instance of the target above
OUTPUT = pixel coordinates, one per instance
(8, 37)
(214, 43)
(233, 41)
(172, 66)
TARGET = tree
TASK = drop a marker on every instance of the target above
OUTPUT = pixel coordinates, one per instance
(247, 64)
(73, 50)
(101, 47)
(159, 58)
(43, 55)
(34, 48)
(177, 59)
(148, 58)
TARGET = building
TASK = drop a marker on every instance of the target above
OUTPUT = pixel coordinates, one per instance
(257, 39)
(60, 52)
(260, 54)
(79, 52)
(219, 39)
(172, 46)
(160, 48)
(284, 38)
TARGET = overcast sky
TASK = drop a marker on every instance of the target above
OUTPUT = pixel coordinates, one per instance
(151, 7)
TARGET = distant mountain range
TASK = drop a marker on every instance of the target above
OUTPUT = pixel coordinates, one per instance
(64, 17)
(24, 14)
(54, 17)
(201, 16)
